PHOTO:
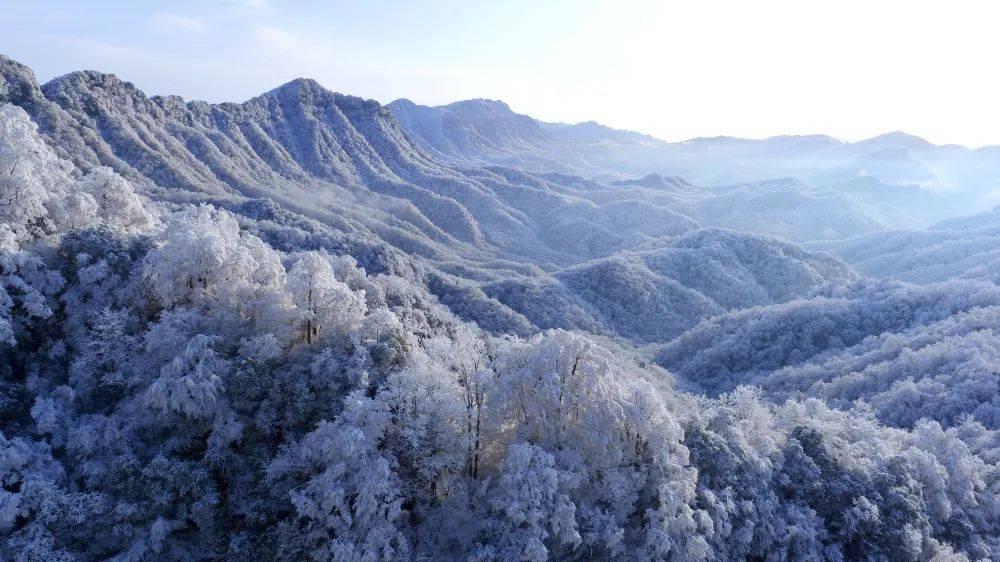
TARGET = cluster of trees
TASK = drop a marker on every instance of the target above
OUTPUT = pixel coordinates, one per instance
(964, 248)
(948, 371)
(174, 388)
(907, 351)
(486, 241)
(655, 294)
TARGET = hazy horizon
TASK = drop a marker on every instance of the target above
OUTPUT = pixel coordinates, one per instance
(306, 326)
(674, 72)
(44, 79)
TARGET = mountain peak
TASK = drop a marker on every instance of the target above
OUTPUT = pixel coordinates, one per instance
(482, 102)
(300, 84)
(592, 131)
(476, 105)
(89, 79)
(85, 89)
(17, 82)
(299, 88)
(897, 138)
(306, 91)
(402, 102)
(655, 181)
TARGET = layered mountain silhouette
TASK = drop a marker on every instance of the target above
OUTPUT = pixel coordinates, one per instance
(254, 346)
(498, 213)
(901, 178)
(965, 248)
(439, 195)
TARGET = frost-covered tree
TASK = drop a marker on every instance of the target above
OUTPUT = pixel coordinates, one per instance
(350, 501)
(324, 304)
(28, 288)
(41, 193)
(118, 205)
(32, 178)
(191, 383)
(530, 508)
(205, 260)
(157, 401)
(191, 265)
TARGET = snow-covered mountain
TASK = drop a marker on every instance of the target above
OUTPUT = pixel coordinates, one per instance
(941, 181)
(962, 248)
(471, 131)
(594, 132)
(346, 167)
(311, 327)
(911, 352)
(487, 132)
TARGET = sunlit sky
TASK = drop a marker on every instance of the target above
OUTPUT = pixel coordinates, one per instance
(676, 70)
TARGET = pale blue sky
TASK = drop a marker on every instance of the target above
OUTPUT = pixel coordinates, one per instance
(676, 70)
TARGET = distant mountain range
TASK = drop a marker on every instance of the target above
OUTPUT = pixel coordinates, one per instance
(489, 132)
(407, 193)
(517, 224)
(193, 366)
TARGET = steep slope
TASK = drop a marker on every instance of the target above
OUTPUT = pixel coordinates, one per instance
(302, 162)
(471, 130)
(296, 134)
(173, 387)
(486, 132)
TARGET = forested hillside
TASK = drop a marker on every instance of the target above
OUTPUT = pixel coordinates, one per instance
(283, 330)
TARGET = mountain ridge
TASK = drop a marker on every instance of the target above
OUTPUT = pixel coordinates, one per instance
(895, 159)
(347, 163)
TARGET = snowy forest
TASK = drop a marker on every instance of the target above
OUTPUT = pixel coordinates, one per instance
(312, 327)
